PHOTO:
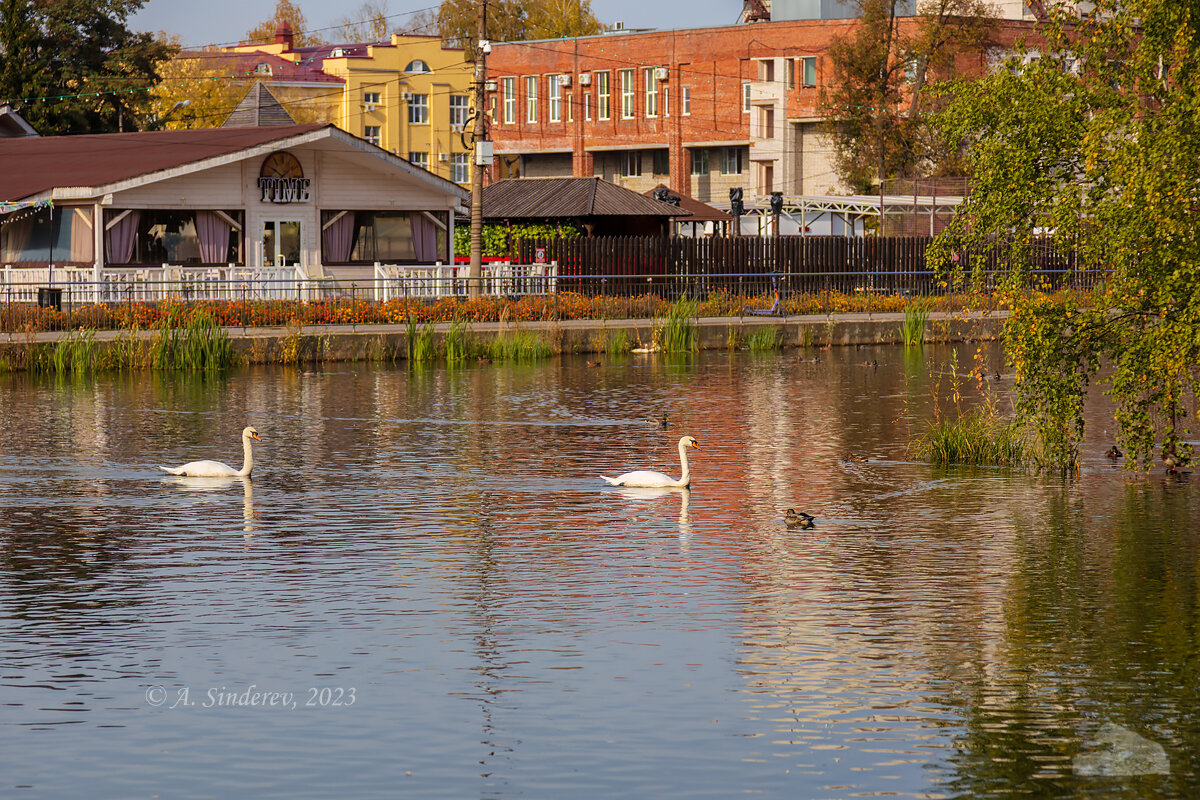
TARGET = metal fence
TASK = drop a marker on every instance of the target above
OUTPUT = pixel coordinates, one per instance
(392, 299)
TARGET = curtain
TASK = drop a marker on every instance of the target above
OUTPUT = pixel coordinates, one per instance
(213, 233)
(17, 233)
(338, 238)
(120, 238)
(81, 236)
(424, 234)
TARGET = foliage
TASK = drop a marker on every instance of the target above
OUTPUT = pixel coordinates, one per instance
(875, 101)
(420, 341)
(676, 333)
(289, 12)
(518, 346)
(912, 331)
(75, 67)
(516, 21)
(501, 240)
(1098, 141)
(458, 344)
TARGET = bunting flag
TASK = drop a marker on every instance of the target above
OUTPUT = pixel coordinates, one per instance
(8, 208)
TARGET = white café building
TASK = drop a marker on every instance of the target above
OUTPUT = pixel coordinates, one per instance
(291, 202)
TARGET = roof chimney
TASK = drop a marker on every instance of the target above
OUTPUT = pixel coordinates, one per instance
(284, 36)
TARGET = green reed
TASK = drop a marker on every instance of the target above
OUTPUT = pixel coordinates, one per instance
(677, 332)
(765, 338)
(979, 437)
(518, 346)
(421, 347)
(912, 331)
(459, 345)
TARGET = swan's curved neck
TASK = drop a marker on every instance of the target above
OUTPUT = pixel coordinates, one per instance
(686, 477)
(248, 459)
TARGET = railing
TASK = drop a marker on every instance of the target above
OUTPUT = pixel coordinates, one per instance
(502, 278)
(123, 284)
(394, 296)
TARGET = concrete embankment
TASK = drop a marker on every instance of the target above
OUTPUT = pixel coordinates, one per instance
(375, 342)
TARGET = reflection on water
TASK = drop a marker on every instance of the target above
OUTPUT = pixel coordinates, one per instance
(457, 606)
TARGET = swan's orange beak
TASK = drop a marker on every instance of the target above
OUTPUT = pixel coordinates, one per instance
(256, 436)
(696, 445)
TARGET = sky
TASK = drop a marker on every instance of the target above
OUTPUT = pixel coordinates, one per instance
(200, 22)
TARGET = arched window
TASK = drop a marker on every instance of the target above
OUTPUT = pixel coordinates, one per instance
(417, 66)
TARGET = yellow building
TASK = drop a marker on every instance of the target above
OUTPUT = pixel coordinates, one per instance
(410, 95)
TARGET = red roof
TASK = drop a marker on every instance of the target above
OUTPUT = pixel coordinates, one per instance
(32, 165)
(244, 64)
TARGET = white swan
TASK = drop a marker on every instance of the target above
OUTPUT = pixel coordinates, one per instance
(215, 469)
(650, 479)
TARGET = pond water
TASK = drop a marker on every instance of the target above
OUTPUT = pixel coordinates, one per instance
(426, 591)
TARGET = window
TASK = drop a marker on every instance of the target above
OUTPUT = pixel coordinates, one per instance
(808, 72)
(731, 161)
(510, 100)
(766, 121)
(364, 237)
(662, 162)
(631, 163)
(587, 106)
(651, 92)
(666, 103)
(628, 100)
(686, 101)
(262, 69)
(700, 161)
(603, 96)
(417, 66)
(173, 237)
(745, 98)
(460, 170)
(371, 134)
(554, 96)
(791, 73)
(418, 110)
(458, 111)
(531, 99)
(766, 70)
(371, 98)
(63, 236)
(419, 160)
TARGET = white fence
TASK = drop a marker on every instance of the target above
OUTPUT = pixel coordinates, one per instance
(395, 281)
(156, 283)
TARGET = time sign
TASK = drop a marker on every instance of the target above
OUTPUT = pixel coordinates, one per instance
(281, 180)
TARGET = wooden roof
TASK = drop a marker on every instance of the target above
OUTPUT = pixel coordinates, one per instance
(549, 198)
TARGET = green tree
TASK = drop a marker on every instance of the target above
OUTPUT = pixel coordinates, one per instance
(875, 105)
(1096, 139)
(516, 20)
(289, 12)
(73, 66)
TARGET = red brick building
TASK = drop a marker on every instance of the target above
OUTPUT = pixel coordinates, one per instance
(700, 110)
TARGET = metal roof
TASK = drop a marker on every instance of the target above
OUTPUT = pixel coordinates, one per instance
(259, 108)
(545, 198)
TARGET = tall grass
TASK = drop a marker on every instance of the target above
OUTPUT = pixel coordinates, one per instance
(677, 332)
(459, 345)
(518, 346)
(617, 341)
(200, 345)
(420, 341)
(979, 437)
(765, 338)
(912, 332)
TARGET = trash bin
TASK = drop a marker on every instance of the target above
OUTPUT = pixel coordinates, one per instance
(49, 297)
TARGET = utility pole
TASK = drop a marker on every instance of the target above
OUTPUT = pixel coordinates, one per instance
(475, 271)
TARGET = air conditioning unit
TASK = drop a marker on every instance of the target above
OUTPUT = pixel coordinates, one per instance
(368, 107)
(443, 156)
(457, 127)
(489, 86)
(662, 73)
(585, 79)
(564, 80)
(406, 97)
(337, 52)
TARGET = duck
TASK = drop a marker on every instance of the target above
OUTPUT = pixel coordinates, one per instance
(798, 520)
(1172, 461)
(215, 469)
(855, 458)
(649, 479)
(592, 363)
(659, 423)
(483, 360)
(1113, 452)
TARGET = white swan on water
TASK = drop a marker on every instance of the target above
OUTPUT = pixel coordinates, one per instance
(215, 469)
(651, 479)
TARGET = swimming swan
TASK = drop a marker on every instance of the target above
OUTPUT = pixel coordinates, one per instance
(650, 479)
(215, 469)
